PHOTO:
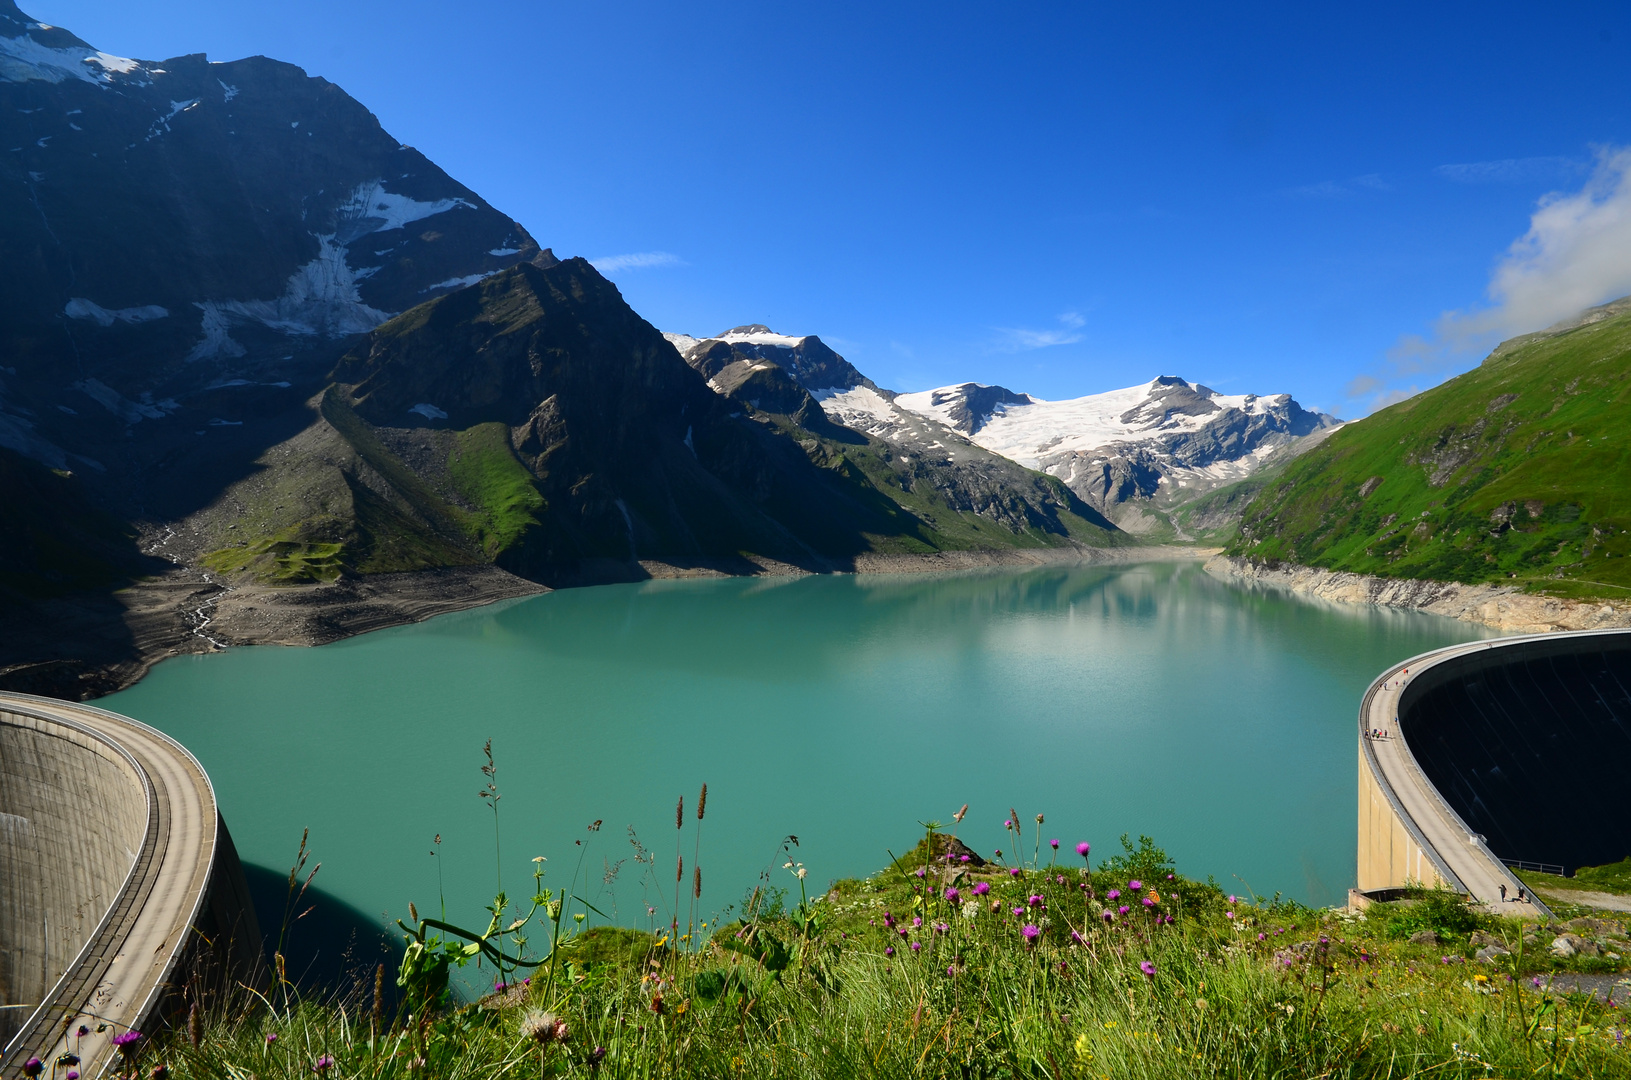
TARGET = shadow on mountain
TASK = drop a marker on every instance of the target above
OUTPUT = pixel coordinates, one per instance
(329, 947)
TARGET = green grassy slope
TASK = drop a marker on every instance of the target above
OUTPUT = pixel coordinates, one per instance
(1517, 471)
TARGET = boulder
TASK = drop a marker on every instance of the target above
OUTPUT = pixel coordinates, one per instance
(1479, 938)
(1490, 953)
(1424, 937)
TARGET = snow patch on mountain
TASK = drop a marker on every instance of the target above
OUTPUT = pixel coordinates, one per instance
(321, 297)
(23, 59)
(372, 209)
(80, 308)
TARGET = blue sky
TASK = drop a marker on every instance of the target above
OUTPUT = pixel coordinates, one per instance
(1059, 198)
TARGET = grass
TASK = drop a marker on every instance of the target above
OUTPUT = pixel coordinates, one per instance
(1517, 472)
(1038, 966)
(1614, 878)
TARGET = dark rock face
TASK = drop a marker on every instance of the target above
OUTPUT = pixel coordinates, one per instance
(809, 362)
(632, 452)
(181, 236)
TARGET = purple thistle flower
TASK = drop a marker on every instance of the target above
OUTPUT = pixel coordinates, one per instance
(917, 920)
(33, 1067)
(1108, 916)
(1008, 824)
(1148, 902)
(1169, 920)
(1135, 884)
(324, 1064)
(952, 894)
(126, 1041)
(920, 871)
(952, 970)
(1019, 911)
(1228, 914)
(1013, 871)
(1031, 932)
(83, 1031)
(1147, 968)
(962, 858)
(1035, 901)
(889, 950)
(271, 1037)
(1171, 877)
(1054, 844)
(1123, 909)
(981, 888)
(1113, 894)
(1077, 938)
(917, 945)
(1083, 848)
(1260, 937)
(73, 1074)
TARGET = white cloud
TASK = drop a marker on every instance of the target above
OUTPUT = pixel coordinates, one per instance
(1576, 254)
(1016, 339)
(639, 260)
(1512, 170)
(1333, 189)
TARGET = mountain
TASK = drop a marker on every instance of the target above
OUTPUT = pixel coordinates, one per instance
(184, 240)
(1135, 455)
(1516, 471)
(967, 497)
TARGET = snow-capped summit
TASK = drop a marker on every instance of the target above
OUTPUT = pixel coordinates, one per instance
(806, 359)
(1166, 440)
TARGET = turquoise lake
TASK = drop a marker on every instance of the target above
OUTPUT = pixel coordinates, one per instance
(1146, 698)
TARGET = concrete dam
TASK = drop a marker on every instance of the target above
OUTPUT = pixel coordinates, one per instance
(122, 902)
(1483, 755)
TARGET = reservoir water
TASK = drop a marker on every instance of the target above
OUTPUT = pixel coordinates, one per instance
(844, 710)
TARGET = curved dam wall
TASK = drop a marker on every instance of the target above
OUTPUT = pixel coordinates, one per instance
(122, 901)
(73, 814)
(1529, 741)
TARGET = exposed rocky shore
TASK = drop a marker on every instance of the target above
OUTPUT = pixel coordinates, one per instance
(1500, 606)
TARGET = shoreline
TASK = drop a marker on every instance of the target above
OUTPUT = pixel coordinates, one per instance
(80, 648)
(1502, 607)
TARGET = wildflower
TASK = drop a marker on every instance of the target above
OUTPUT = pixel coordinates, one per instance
(1013, 872)
(1039, 819)
(1054, 844)
(1231, 899)
(1148, 902)
(1083, 848)
(596, 1056)
(951, 969)
(917, 946)
(1260, 937)
(1171, 877)
(542, 1027)
(1113, 894)
(33, 1067)
(962, 858)
(1147, 968)
(324, 1063)
(271, 1037)
(952, 894)
(981, 888)
(1035, 901)
(1031, 932)
(1077, 938)
(920, 871)
(1107, 916)
(1123, 909)
(126, 1041)
(889, 950)
(1019, 911)
(1009, 824)
(917, 920)
(1169, 920)
(83, 1031)
(1135, 885)
(73, 1074)
(1228, 914)
(888, 919)
(1537, 982)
